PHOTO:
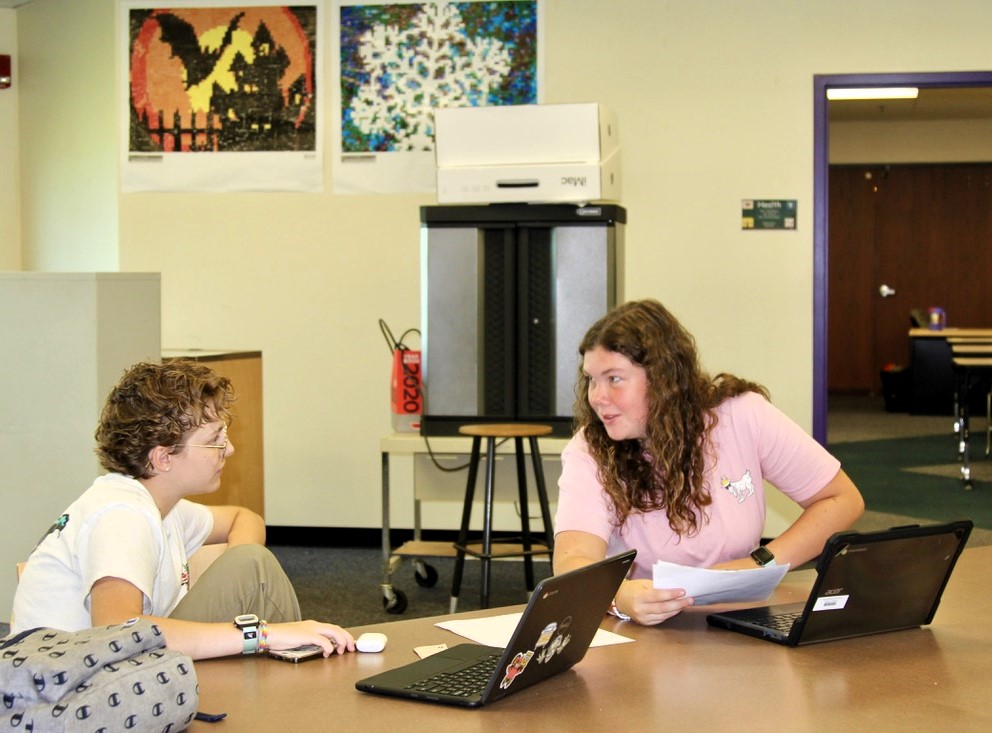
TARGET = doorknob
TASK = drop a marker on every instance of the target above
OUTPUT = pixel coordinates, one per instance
(885, 291)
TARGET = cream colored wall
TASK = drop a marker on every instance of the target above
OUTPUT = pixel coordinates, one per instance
(715, 105)
(933, 141)
(10, 220)
(68, 135)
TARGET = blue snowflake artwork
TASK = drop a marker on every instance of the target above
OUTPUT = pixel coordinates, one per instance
(401, 61)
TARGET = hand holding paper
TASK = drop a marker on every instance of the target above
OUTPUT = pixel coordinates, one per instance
(719, 586)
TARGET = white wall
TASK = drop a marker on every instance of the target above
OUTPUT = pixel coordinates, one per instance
(714, 101)
(10, 220)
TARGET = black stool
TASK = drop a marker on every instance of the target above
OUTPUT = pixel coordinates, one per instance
(517, 431)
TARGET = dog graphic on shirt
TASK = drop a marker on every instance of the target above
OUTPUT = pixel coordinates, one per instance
(740, 489)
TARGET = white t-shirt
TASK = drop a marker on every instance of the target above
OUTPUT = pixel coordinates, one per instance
(753, 442)
(113, 530)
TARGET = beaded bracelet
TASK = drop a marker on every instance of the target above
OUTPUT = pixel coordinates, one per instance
(263, 636)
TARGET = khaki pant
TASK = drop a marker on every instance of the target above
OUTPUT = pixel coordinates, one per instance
(244, 579)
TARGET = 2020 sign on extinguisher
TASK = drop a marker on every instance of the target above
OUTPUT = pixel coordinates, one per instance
(406, 387)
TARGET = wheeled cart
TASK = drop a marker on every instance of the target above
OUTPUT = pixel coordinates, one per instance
(434, 485)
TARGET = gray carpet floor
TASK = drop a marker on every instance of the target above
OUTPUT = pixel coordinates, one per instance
(344, 585)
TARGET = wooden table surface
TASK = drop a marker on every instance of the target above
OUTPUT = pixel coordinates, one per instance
(679, 675)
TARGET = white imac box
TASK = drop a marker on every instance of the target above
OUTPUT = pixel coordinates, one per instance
(551, 153)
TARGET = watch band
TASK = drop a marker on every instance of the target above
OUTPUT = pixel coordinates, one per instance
(249, 624)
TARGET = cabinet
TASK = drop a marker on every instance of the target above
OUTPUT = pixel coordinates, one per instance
(508, 292)
(243, 480)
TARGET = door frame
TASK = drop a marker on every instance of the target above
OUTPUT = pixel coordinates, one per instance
(821, 203)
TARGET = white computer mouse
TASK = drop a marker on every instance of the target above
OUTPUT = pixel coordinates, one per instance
(371, 642)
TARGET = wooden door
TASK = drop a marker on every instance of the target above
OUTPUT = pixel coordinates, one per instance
(923, 231)
(850, 347)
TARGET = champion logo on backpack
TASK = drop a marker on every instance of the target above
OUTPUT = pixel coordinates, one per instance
(118, 677)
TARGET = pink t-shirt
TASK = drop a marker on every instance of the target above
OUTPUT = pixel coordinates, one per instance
(753, 442)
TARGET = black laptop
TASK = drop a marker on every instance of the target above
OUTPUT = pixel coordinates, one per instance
(553, 633)
(867, 583)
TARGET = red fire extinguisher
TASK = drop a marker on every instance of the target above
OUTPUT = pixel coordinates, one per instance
(406, 393)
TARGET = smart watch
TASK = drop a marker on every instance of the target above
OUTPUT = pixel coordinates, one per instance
(763, 556)
(248, 623)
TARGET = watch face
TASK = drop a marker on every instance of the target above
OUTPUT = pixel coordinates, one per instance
(762, 555)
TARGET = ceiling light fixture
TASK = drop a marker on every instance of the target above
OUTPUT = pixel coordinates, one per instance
(841, 93)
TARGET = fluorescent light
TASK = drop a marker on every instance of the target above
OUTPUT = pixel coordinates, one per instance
(874, 93)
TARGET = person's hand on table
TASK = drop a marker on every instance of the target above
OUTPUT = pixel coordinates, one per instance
(328, 637)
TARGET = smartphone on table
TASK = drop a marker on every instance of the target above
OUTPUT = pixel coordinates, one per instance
(297, 654)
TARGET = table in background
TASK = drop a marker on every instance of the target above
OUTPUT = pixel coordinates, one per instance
(970, 371)
(243, 482)
(679, 675)
(933, 372)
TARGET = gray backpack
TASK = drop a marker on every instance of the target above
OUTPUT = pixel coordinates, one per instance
(114, 678)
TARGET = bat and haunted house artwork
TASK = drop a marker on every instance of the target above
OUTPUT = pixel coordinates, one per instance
(222, 79)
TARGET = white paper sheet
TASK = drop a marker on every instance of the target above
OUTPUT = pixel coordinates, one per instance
(719, 586)
(497, 630)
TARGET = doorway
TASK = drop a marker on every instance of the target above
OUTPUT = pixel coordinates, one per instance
(904, 238)
(821, 211)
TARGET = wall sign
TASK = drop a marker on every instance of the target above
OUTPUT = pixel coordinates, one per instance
(768, 213)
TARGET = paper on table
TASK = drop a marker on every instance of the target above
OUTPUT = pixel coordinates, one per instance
(719, 586)
(497, 630)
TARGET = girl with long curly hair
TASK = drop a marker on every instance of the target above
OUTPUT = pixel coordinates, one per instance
(673, 462)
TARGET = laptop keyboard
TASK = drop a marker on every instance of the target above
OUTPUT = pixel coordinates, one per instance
(471, 680)
(779, 622)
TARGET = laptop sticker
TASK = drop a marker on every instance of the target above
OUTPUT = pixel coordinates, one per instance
(546, 635)
(557, 644)
(516, 668)
(830, 603)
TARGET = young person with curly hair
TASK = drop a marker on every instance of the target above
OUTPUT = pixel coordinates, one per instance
(672, 462)
(122, 549)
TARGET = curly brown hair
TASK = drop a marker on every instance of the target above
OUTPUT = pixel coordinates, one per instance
(158, 404)
(681, 413)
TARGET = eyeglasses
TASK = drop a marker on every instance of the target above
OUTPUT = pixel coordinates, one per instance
(219, 446)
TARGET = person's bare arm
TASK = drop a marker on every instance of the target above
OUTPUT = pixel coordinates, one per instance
(833, 508)
(114, 601)
(574, 549)
(236, 525)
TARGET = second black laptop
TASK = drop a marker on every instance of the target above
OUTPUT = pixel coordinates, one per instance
(867, 583)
